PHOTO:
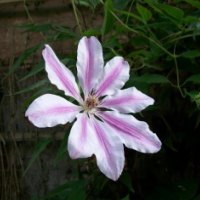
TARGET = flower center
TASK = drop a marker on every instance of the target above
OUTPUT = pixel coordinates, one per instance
(91, 102)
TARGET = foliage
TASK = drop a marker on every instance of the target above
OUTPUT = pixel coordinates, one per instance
(160, 40)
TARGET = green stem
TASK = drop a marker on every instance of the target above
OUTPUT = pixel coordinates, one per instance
(30, 18)
(143, 35)
(76, 15)
(177, 73)
(129, 11)
(139, 33)
(27, 12)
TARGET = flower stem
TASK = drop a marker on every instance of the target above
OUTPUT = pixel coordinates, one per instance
(76, 15)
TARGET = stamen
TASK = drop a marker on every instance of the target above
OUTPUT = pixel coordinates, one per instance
(91, 102)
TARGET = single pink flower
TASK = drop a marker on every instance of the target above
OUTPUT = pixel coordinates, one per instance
(103, 123)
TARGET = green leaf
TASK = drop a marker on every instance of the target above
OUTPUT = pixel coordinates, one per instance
(129, 14)
(151, 79)
(153, 5)
(197, 198)
(126, 198)
(195, 97)
(39, 148)
(108, 17)
(88, 3)
(120, 5)
(44, 28)
(78, 191)
(34, 95)
(92, 32)
(194, 3)
(174, 12)
(183, 190)
(191, 54)
(26, 54)
(65, 30)
(71, 189)
(126, 180)
(194, 79)
(58, 192)
(32, 87)
(38, 68)
(62, 149)
(144, 12)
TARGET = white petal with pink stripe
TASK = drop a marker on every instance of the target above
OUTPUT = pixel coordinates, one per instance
(60, 75)
(133, 133)
(89, 63)
(109, 151)
(90, 136)
(50, 110)
(82, 140)
(116, 73)
(128, 100)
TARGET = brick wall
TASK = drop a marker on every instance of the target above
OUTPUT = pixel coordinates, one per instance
(17, 136)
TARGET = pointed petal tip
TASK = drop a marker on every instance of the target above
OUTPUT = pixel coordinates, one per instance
(156, 147)
(151, 101)
(46, 46)
(117, 176)
(26, 113)
(59, 74)
(133, 133)
(30, 119)
(114, 177)
(88, 38)
(45, 50)
(89, 63)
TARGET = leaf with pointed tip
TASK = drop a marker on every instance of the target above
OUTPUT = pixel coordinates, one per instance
(26, 54)
(151, 79)
(108, 17)
(194, 79)
(144, 12)
(39, 148)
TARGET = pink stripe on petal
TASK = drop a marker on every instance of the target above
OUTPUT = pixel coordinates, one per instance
(59, 75)
(134, 134)
(109, 79)
(53, 111)
(89, 63)
(90, 136)
(115, 75)
(81, 141)
(127, 101)
(84, 128)
(89, 66)
(103, 142)
(66, 83)
(110, 152)
(50, 110)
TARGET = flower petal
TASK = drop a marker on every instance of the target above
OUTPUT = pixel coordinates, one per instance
(116, 73)
(127, 101)
(81, 140)
(60, 75)
(134, 134)
(50, 110)
(89, 63)
(90, 136)
(110, 151)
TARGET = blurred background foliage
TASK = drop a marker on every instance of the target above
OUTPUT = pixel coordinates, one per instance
(161, 42)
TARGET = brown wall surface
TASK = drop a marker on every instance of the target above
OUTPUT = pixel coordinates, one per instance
(17, 136)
